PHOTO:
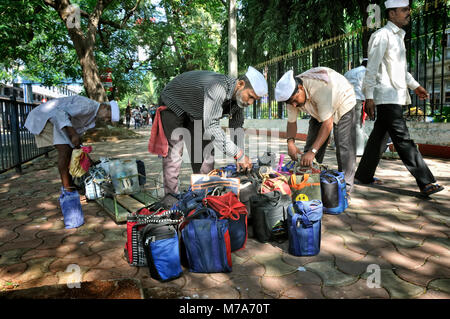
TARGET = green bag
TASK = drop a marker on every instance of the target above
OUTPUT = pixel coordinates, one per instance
(305, 184)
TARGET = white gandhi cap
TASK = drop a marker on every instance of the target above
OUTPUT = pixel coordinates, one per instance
(257, 81)
(396, 3)
(285, 87)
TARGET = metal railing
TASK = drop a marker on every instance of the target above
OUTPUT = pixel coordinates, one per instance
(428, 56)
(17, 144)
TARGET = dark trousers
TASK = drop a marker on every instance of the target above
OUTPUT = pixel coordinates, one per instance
(345, 139)
(180, 131)
(390, 119)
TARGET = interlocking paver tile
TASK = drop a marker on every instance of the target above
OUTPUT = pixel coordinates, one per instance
(274, 265)
(223, 291)
(398, 240)
(37, 268)
(440, 285)
(249, 287)
(359, 267)
(397, 288)
(7, 235)
(330, 275)
(303, 292)
(358, 290)
(388, 226)
(433, 294)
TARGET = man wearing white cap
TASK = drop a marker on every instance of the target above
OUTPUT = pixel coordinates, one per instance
(386, 86)
(197, 100)
(61, 122)
(330, 100)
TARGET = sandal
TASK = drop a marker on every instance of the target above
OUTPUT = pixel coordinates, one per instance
(431, 189)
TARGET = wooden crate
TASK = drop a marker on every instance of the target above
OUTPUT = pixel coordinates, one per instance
(119, 206)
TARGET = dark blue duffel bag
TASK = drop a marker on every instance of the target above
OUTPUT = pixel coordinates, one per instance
(206, 240)
(304, 228)
(334, 192)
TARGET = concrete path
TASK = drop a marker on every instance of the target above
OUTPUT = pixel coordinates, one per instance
(388, 244)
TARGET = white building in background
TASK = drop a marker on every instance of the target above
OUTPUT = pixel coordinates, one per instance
(36, 93)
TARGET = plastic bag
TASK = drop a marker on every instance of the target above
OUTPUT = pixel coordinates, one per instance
(71, 208)
(80, 162)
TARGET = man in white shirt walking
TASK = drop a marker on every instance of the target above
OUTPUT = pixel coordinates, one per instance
(386, 85)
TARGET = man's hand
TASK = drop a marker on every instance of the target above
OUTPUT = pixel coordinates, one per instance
(244, 164)
(370, 109)
(75, 139)
(307, 159)
(293, 150)
(421, 93)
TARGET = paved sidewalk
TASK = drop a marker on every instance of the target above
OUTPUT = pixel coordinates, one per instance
(388, 227)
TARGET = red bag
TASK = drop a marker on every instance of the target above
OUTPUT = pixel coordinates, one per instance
(134, 250)
(229, 207)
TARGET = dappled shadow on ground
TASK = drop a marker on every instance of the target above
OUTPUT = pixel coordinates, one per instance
(388, 226)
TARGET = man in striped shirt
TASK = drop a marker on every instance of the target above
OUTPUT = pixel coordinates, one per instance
(196, 101)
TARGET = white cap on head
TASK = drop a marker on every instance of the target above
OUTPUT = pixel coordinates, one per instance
(285, 87)
(257, 81)
(396, 3)
(115, 112)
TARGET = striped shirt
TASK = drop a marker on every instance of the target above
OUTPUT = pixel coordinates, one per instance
(206, 95)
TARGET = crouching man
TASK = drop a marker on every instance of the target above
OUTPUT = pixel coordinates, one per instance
(330, 100)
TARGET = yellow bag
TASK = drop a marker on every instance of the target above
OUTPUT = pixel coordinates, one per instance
(80, 162)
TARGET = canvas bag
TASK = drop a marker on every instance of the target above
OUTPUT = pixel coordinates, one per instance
(161, 247)
(305, 183)
(269, 215)
(71, 208)
(229, 207)
(334, 191)
(304, 227)
(212, 180)
(136, 222)
(273, 181)
(206, 242)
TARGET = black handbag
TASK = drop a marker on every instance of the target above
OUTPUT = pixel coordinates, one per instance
(269, 213)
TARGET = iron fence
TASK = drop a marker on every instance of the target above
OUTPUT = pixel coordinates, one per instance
(428, 55)
(17, 144)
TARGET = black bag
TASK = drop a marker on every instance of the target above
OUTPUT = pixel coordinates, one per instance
(268, 159)
(248, 188)
(269, 213)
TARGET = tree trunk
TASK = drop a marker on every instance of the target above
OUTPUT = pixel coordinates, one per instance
(84, 44)
(232, 40)
(91, 78)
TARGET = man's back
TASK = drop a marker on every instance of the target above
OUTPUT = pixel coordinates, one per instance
(187, 91)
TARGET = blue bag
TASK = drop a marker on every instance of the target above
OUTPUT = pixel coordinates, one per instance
(161, 247)
(207, 242)
(334, 192)
(71, 208)
(189, 200)
(304, 227)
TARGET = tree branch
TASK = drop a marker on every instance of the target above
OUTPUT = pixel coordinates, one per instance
(129, 14)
